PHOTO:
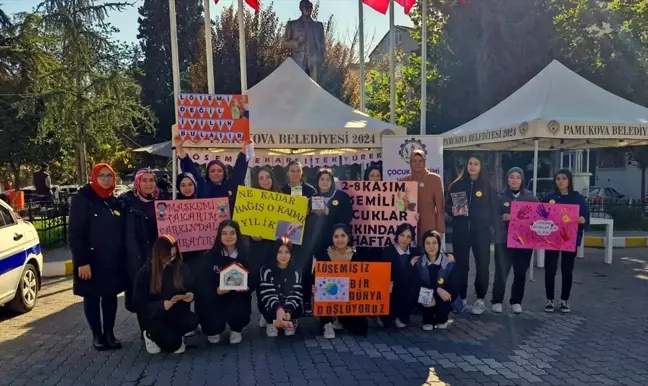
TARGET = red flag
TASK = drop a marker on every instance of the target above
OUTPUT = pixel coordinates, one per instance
(378, 5)
(407, 4)
(254, 4)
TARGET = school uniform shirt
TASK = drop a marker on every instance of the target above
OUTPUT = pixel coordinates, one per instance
(403, 274)
(150, 306)
(483, 208)
(573, 198)
(506, 199)
(433, 275)
(281, 288)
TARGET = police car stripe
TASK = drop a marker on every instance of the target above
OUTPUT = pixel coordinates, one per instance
(17, 260)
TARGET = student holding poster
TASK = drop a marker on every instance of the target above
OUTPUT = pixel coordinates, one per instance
(564, 194)
(473, 223)
(340, 250)
(505, 257)
(336, 208)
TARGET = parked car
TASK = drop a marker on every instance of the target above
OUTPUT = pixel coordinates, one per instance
(600, 195)
(21, 261)
(545, 186)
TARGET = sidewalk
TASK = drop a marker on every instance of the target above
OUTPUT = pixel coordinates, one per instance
(622, 239)
(57, 262)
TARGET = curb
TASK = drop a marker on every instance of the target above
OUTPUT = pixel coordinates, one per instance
(57, 268)
(617, 242)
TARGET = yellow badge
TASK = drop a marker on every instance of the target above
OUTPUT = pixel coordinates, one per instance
(552, 201)
(478, 194)
(440, 281)
(507, 204)
(335, 202)
(116, 213)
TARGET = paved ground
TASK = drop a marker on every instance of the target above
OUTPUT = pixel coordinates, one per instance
(603, 342)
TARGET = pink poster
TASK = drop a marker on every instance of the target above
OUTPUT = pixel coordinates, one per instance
(537, 225)
(193, 223)
(379, 208)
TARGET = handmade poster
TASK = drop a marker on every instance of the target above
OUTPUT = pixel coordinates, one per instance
(193, 223)
(233, 278)
(206, 120)
(351, 289)
(426, 296)
(379, 207)
(536, 225)
(270, 215)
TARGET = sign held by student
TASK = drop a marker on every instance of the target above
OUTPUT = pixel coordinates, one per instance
(351, 289)
(379, 207)
(193, 223)
(270, 215)
(537, 225)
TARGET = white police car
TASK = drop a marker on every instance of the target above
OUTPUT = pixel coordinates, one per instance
(21, 261)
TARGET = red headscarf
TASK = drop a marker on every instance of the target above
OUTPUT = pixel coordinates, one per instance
(94, 181)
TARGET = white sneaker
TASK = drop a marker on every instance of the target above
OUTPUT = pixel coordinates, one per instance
(479, 307)
(379, 322)
(262, 322)
(151, 347)
(442, 326)
(516, 308)
(271, 331)
(235, 337)
(329, 331)
(399, 324)
(337, 325)
(497, 308)
(290, 331)
(213, 339)
(564, 307)
(181, 350)
(428, 327)
(190, 334)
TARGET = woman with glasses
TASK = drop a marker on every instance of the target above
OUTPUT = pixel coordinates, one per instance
(98, 258)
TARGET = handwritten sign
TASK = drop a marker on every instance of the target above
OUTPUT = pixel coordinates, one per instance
(345, 289)
(206, 120)
(270, 215)
(193, 223)
(379, 208)
(543, 226)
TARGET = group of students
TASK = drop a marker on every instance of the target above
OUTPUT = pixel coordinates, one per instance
(161, 285)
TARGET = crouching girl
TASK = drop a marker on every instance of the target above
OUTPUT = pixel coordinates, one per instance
(280, 291)
(162, 295)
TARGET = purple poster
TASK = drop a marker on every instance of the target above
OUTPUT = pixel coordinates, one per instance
(549, 226)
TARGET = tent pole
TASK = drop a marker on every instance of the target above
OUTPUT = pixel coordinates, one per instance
(537, 254)
(562, 159)
(392, 65)
(424, 66)
(175, 66)
(587, 166)
(361, 55)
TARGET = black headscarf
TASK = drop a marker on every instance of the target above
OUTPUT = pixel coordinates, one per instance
(190, 176)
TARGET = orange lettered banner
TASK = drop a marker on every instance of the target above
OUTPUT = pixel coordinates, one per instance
(351, 289)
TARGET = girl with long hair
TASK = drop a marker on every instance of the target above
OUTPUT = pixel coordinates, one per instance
(97, 257)
(280, 291)
(228, 307)
(564, 193)
(162, 297)
(474, 206)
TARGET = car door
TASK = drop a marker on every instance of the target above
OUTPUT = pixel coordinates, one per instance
(12, 252)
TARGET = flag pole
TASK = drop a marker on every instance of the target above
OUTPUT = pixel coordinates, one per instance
(392, 65)
(175, 67)
(361, 56)
(424, 66)
(242, 56)
(209, 54)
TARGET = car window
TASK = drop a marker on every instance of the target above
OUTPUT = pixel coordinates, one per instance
(595, 192)
(5, 217)
(613, 193)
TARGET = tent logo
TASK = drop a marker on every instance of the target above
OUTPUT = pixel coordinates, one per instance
(553, 127)
(524, 127)
(408, 147)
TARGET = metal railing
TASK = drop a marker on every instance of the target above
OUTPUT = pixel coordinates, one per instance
(50, 220)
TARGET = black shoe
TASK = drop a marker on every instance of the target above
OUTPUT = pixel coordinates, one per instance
(99, 342)
(112, 342)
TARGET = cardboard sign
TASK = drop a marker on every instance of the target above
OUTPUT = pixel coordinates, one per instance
(206, 120)
(351, 289)
(270, 215)
(379, 208)
(193, 223)
(543, 226)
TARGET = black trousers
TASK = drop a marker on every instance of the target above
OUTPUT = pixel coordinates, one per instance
(479, 242)
(231, 309)
(402, 302)
(505, 258)
(356, 325)
(438, 314)
(566, 271)
(94, 307)
(167, 331)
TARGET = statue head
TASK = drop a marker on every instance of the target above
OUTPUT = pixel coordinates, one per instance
(306, 7)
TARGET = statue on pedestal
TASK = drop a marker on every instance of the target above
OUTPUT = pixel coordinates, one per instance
(304, 37)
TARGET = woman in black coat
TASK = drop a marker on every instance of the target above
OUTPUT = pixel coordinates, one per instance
(141, 225)
(336, 209)
(372, 254)
(97, 257)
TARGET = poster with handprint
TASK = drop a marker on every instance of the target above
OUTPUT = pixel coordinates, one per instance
(535, 225)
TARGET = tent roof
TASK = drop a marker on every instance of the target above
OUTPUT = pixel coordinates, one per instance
(561, 109)
(288, 100)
